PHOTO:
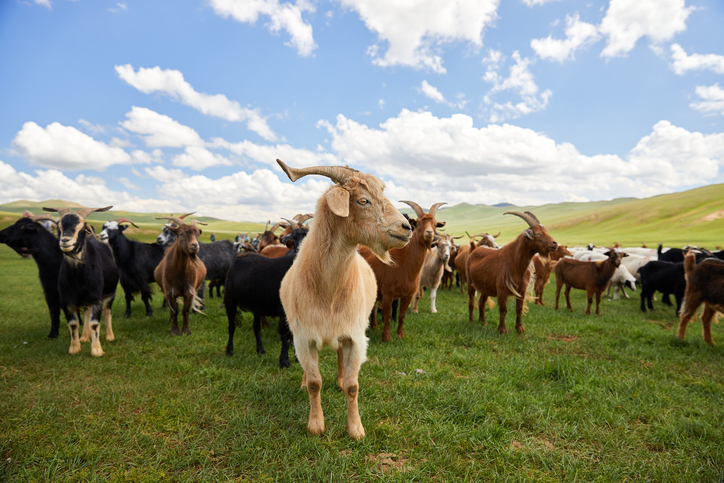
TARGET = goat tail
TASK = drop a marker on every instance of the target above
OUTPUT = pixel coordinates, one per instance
(689, 262)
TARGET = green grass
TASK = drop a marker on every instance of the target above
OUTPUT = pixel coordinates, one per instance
(576, 398)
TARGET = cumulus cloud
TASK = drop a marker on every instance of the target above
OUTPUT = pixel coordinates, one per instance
(532, 3)
(461, 163)
(713, 99)
(67, 148)
(269, 154)
(431, 92)
(627, 21)
(282, 16)
(44, 3)
(172, 83)
(578, 34)
(159, 130)
(682, 63)
(414, 32)
(198, 158)
(128, 183)
(521, 83)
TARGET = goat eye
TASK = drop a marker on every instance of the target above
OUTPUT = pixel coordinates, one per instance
(362, 201)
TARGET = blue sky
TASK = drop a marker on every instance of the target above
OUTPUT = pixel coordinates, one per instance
(185, 105)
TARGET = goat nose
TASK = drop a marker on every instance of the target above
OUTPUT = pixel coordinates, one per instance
(407, 227)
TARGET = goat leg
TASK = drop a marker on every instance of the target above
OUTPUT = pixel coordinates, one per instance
(353, 355)
(71, 314)
(386, 316)
(503, 309)
(706, 318)
(519, 306)
(257, 335)
(404, 304)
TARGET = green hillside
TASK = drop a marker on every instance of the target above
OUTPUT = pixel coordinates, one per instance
(691, 217)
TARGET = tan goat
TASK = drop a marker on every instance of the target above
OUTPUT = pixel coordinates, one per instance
(330, 290)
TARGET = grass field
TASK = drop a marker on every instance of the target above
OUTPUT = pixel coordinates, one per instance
(576, 398)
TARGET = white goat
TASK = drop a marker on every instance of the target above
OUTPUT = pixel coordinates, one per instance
(330, 290)
(436, 263)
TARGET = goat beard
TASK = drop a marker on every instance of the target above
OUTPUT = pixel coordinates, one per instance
(383, 254)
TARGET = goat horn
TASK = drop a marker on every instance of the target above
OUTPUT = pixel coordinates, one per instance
(266, 227)
(457, 237)
(61, 211)
(338, 174)
(433, 208)
(44, 216)
(123, 220)
(84, 212)
(185, 215)
(468, 234)
(294, 225)
(528, 219)
(496, 236)
(534, 217)
(418, 211)
(197, 222)
(276, 226)
(302, 218)
(178, 221)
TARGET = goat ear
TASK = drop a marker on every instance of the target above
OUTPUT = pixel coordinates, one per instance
(607, 254)
(122, 227)
(625, 254)
(200, 231)
(338, 201)
(529, 233)
(413, 222)
(440, 224)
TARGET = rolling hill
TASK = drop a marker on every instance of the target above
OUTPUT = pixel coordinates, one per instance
(690, 217)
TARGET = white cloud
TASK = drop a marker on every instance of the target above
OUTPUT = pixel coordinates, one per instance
(198, 158)
(44, 3)
(682, 63)
(90, 127)
(626, 21)
(578, 35)
(119, 8)
(173, 84)
(532, 3)
(381, 102)
(65, 147)
(159, 130)
(415, 31)
(282, 16)
(713, 99)
(461, 163)
(269, 154)
(520, 82)
(431, 92)
(128, 184)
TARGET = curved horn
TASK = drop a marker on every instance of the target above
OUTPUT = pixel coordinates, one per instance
(185, 215)
(84, 212)
(533, 216)
(302, 218)
(123, 220)
(468, 234)
(44, 216)
(531, 222)
(266, 227)
(61, 211)
(178, 221)
(496, 236)
(457, 237)
(276, 226)
(418, 211)
(294, 225)
(433, 208)
(338, 174)
(197, 222)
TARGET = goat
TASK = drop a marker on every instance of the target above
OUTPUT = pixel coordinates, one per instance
(402, 278)
(543, 266)
(268, 237)
(181, 271)
(27, 237)
(666, 277)
(136, 262)
(216, 256)
(621, 278)
(330, 290)
(88, 278)
(461, 260)
(436, 263)
(676, 255)
(252, 285)
(704, 285)
(279, 250)
(448, 278)
(593, 277)
(505, 272)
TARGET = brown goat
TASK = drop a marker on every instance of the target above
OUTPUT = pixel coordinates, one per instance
(329, 291)
(402, 278)
(704, 285)
(461, 259)
(593, 277)
(181, 272)
(543, 267)
(268, 237)
(505, 272)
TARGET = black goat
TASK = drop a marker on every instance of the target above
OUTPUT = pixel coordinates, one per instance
(217, 256)
(136, 262)
(26, 236)
(665, 277)
(252, 285)
(676, 255)
(88, 278)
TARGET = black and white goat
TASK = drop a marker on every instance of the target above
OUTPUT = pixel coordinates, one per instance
(252, 285)
(136, 262)
(28, 237)
(88, 277)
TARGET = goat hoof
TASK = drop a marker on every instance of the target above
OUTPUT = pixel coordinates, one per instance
(175, 332)
(284, 364)
(127, 315)
(386, 337)
(316, 428)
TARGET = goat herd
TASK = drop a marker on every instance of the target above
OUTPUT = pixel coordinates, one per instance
(324, 280)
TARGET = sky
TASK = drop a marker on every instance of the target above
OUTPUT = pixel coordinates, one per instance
(184, 105)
